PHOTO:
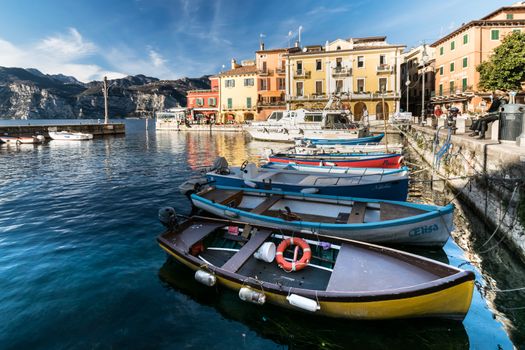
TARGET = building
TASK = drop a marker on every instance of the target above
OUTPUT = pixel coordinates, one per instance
(417, 61)
(238, 92)
(271, 80)
(359, 73)
(203, 105)
(461, 51)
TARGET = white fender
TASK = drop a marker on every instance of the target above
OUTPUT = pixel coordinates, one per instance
(250, 184)
(310, 190)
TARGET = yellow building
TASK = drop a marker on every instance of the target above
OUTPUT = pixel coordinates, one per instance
(460, 52)
(360, 72)
(238, 92)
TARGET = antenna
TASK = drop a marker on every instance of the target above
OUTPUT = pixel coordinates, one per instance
(300, 29)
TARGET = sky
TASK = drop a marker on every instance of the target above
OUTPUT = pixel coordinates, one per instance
(170, 39)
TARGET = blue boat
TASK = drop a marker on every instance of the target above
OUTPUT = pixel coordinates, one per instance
(367, 220)
(355, 141)
(390, 186)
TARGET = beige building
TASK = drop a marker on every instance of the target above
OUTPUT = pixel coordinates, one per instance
(238, 92)
(358, 72)
(460, 52)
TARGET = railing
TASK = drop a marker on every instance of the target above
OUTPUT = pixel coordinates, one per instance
(237, 107)
(270, 103)
(264, 72)
(384, 68)
(280, 71)
(464, 91)
(301, 73)
(365, 95)
(341, 72)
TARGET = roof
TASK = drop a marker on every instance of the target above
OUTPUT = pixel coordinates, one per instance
(357, 49)
(517, 6)
(368, 38)
(478, 23)
(289, 49)
(239, 71)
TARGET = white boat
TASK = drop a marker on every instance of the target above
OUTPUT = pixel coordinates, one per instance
(22, 139)
(287, 125)
(73, 136)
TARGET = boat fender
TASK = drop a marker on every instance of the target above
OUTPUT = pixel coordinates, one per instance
(168, 217)
(250, 184)
(266, 252)
(310, 190)
(293, 265)
(252, 296)
(205, 277)
(303, 303)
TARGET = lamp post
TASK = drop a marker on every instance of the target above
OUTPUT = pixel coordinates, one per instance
(105, 90)
(407, 84)
(424, 58)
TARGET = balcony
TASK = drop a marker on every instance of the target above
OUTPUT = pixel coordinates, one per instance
(280, 71)
(301, 74)
(384, 68)
(340, 72)
(264, 72)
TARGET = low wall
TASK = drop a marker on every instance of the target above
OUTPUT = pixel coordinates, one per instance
(486, 174)
(95, 129)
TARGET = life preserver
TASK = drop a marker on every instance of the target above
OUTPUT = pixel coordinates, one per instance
(293, 265)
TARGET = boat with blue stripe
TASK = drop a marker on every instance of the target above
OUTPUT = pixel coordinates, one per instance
(369, 220)
(333, 169)
(345, 141)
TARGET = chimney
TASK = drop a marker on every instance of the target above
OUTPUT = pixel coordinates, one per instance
(261, 46)
(234, 63)
(296, 43)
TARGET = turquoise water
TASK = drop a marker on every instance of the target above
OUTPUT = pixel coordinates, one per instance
(80, 267)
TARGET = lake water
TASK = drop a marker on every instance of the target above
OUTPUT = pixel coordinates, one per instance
(80, 267)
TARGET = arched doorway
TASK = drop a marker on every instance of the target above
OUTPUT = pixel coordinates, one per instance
(379, 111)
(358, 111)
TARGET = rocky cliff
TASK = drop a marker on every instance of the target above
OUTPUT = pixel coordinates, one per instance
(30, 94)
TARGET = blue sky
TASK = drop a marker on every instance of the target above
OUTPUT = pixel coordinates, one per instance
(177, 38)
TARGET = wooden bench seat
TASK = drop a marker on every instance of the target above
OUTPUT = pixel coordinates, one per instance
(357, 215)
(266, 204)
(246, 252)
(195, 233)
(339, 278)
(390, 211)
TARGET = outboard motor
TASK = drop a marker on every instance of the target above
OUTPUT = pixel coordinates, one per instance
(220, 166)
(168, 217)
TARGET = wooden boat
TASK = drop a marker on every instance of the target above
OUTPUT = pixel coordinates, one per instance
(338, 278)
(22, 139)
(333, 169)
(355, 149)
(368, 220)
(70, 136)
(393, 186)
(371, 160)
(343, 141)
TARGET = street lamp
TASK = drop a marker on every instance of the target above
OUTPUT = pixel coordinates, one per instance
(407, 84)
(424, 58)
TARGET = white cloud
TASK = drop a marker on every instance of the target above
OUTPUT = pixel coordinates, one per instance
(70, 46)
(156, 58)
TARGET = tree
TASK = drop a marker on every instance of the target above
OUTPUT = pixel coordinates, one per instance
(505, 69)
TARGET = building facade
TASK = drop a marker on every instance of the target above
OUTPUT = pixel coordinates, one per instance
(360, 74)
(203, 105)
(460, 52)
(238, 93)
(417, 61)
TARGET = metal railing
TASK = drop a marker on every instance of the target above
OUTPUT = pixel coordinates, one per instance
(384, 68)
(341, 72)
(301, 73)
(264, 72)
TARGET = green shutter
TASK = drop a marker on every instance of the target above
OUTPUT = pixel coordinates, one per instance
(441, 70)
(510, 16)
(441, 51)
(440, 89)
(452, 45)
(248, 102)
(451, 87)
(494, 34)
(464, 84)
(465, 62)
(465, 39)
(230, 103)
(452, 67)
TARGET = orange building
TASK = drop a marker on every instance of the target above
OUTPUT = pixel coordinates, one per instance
(460, 52)
(203, 105)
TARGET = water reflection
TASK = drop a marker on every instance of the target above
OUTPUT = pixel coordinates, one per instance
(303, 331)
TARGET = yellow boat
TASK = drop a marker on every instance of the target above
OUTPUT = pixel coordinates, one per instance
(334, 277)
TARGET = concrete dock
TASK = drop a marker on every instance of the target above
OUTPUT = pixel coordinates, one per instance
(95, 129)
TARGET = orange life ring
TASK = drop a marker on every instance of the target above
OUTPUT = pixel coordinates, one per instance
(294, 265)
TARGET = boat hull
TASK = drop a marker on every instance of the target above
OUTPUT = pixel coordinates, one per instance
(385, 161)
(341, 141)
(67, 136)
(283, 133)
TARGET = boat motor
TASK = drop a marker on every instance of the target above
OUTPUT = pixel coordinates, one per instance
(168, 217)
(220, 166)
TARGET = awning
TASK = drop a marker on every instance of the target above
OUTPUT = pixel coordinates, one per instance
(271, 93)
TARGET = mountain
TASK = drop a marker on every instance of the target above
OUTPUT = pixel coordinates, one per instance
(31, 94)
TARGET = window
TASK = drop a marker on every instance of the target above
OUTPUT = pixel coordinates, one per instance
(230, 103)
(263, 84)
(248, 82)
(360, 85)
(299, 67)
(212, 101)
(464, 84)
(441, 51)
(338, 63)
(465, 39)
(451, 87)
(440, 89)
(338, 86)
(229, 82)
(465, 62)
(516, 30)
(510, 16)
(248, 102)
(360, 61)
(319, 87)
(452, 45)
(451, 67)
(494, 34)
(382, 59)
(199, 101)
(318, 65)
(382, 84)
(299, 88)
(264, 68)
(281, 84)
(441, 70)
(313, 118)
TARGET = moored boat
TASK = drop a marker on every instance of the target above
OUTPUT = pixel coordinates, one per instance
(333, 169)
(354, 149)
(333, 277)
(22, 139)
(72, 136)
(392, 186)
(342, 141)
(369, 160)
(368, 220)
